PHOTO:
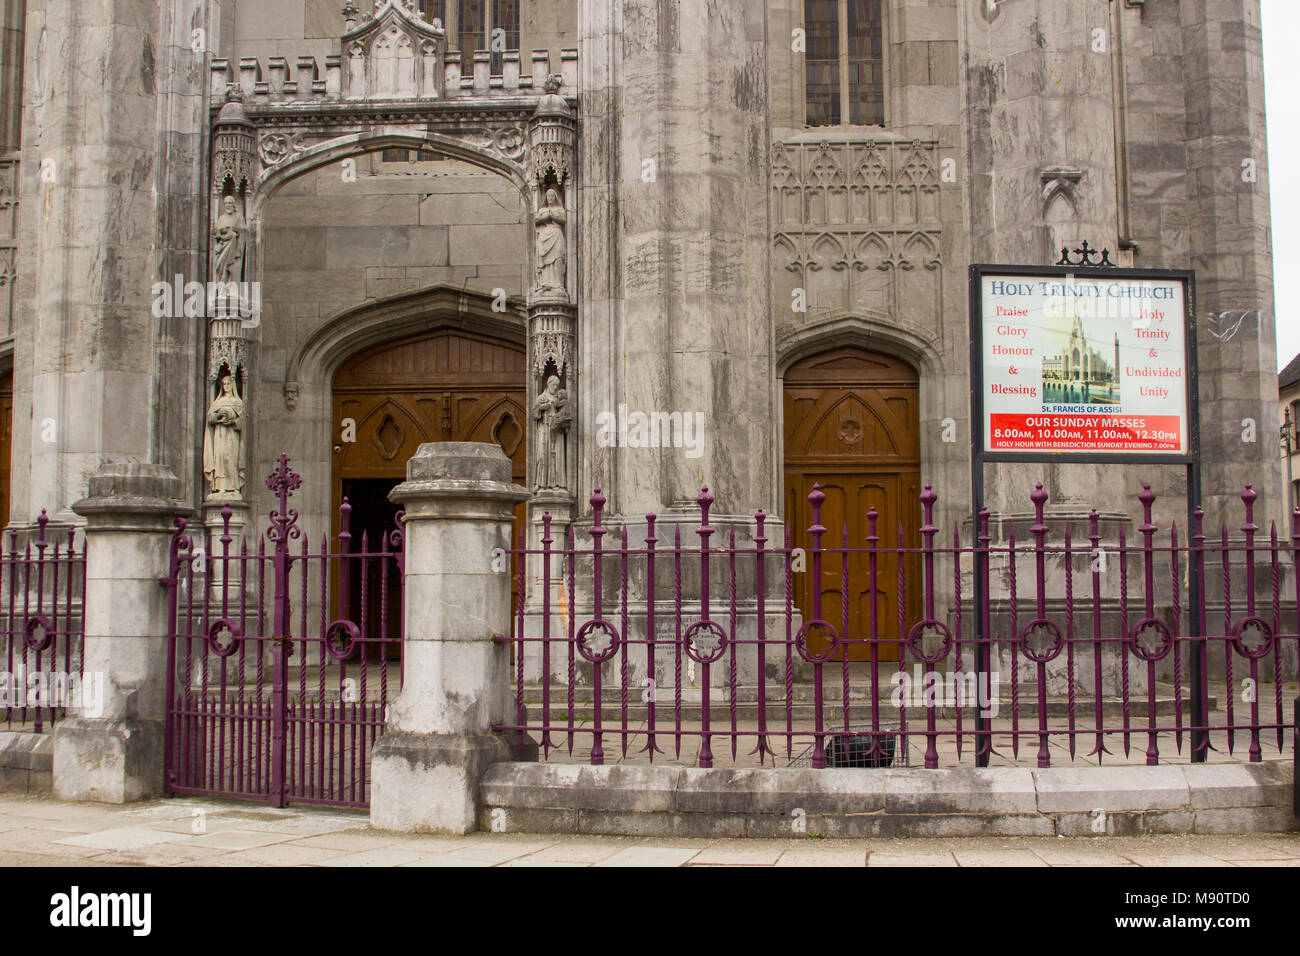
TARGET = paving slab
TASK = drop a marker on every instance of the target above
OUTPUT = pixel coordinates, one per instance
(977, 857)
(377, 857)
(650, 856)
(736, 854)
(123, 838)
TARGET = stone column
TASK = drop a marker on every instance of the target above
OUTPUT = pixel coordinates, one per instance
(115, 755)
(425, 772)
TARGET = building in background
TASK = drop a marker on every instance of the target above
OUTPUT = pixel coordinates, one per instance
(500, 220)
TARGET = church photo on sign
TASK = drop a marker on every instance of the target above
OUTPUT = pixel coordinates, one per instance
(563, 431)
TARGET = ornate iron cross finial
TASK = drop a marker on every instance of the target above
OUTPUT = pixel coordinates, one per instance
(283, 481)
(1085, 254)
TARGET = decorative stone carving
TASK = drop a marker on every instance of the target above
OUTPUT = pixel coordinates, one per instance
(551, 437)
(551, 246)
(551, 348)
(223, 443)
(234, 150)
(552, 103)
(393, 54)
(275, 148)
(291, 392)
(227, 348)
(868, 182)
(506, 140)
(229, 242)
(550, 161)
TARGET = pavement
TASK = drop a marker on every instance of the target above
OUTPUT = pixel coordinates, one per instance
(204, 832)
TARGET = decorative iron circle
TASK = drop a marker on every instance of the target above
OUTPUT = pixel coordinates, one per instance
(1260, 625)
(916, 640)
(1046, 651)
(1159, 627)
(832, 642)
(341, 639)
(39, 632)
(696, 646)
(215, 632)
(587, 646)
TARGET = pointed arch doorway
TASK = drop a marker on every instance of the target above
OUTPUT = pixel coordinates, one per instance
(447, 385)
(852, 426)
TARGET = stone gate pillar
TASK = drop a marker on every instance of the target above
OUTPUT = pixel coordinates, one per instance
(438, 739)
(115, 755)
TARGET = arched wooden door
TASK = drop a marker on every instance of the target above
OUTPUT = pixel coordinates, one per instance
(447, 385)
(852, 426)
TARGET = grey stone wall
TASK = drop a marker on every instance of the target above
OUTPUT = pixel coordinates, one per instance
(113, 107)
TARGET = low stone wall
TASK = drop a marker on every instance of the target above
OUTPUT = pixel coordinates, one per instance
(26, 762)
(1004, 801)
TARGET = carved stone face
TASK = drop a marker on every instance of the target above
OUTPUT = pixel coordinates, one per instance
(227, 385)
(552, 385)
(552, 197)
(228, 205)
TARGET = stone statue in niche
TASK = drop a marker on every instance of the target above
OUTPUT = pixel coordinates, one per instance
(223, 443)
(553, 417)
(551, 257)
(230, 239)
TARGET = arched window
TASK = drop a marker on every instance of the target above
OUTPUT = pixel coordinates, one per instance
(844, 63)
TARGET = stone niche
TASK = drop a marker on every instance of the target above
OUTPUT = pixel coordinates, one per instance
(394, 54)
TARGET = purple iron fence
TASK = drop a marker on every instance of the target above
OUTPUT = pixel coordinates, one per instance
(43, 626)
(1091, 660)
(279, 670)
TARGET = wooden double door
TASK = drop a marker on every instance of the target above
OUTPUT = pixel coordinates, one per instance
(448, 385)
(852, 427)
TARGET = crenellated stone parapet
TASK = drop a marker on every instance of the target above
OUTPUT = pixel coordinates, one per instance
(463, 76)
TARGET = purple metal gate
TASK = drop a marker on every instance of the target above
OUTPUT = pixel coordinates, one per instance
(281, 662)
(41, 624)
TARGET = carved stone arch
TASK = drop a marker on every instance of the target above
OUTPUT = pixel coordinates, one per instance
(875, 331)
(314, 157)
(320, 355)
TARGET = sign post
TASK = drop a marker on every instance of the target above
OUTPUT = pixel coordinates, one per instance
(1084, 364)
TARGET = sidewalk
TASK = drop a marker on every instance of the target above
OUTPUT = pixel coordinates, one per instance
(201, 832)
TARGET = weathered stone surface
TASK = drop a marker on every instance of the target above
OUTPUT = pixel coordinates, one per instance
(108, 761)
(1221, 785)
(1065, 789)
(682, 801)
(430, 782)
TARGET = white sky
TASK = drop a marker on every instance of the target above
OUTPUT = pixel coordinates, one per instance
(1281, 25)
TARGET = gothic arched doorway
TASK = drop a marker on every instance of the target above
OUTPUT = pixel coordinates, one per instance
(448, 385)
(852, 425)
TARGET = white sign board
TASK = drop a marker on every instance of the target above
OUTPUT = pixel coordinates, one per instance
(1084, 364)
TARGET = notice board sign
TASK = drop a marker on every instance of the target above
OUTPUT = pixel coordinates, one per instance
(1087, 363)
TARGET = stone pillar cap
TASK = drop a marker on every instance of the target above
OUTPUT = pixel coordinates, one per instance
(134, 487)
(464, 468)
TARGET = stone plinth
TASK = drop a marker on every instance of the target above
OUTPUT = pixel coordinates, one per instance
(117, 755)
(426, 769)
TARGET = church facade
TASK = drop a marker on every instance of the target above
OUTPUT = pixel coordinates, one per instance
(645, 246)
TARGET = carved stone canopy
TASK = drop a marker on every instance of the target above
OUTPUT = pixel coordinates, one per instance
(393, 54)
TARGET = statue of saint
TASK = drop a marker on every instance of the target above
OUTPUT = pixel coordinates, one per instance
(550, 244)
(551, 412)
(223, 443)
(230, 238)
